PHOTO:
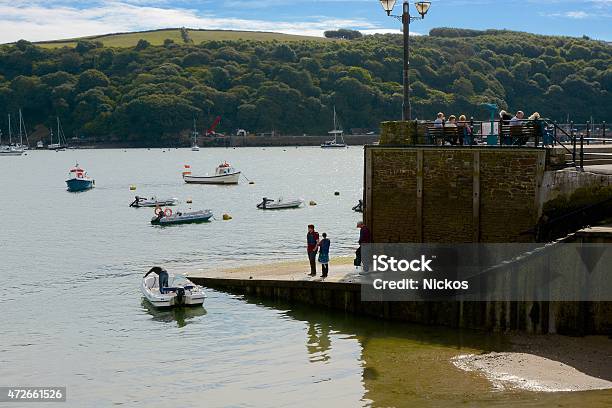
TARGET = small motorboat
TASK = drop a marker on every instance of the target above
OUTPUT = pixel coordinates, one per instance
(153, 202)
(78, 180)
(180, 291)
(166, 217)
(280, 204)
(224, 174)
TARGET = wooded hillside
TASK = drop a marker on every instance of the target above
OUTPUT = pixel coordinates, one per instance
(147, 94)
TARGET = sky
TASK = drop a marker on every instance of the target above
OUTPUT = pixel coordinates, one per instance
(37, 20)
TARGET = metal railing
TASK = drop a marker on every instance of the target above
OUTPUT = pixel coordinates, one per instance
(543, 133)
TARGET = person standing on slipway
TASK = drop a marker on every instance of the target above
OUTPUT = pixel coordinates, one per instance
(312, 242)
(324, 255)
(364, 238)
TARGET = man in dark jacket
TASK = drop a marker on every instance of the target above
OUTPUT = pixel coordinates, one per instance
(364, 238)
(312, 240)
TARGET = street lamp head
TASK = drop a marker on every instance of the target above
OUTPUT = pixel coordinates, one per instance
(388, 5)
(423, 7)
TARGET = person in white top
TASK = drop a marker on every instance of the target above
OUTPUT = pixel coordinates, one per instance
(517, 120)
(452, 121)
(439, 120)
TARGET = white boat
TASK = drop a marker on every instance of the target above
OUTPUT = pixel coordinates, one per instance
(194, 134)
(170, 218)
(280, 204)
(180, 291)
(61, 138)
(224, 174)
(153, 202)
(336, 133)
(11, 149)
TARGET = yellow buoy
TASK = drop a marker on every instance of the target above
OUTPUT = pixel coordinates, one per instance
(313, 202)
(132, 187)
(227, 217)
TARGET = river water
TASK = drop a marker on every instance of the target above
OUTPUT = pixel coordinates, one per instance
(73, 314)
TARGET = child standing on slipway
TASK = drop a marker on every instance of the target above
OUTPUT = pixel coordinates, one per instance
(324, 255)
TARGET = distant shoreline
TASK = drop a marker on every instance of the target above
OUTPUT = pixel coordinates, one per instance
(238, 141)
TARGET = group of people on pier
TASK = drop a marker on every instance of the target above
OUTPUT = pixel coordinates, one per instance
(462, 130)
(315, 245)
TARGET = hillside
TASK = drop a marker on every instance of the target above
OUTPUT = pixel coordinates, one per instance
(148, 94)
(157, 37)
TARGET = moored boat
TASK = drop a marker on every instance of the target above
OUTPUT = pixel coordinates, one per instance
(280, 204)
(11, 149)
(60, 146)
(194, 134)
(78, 180)
(180, 291)
(224, 174)
(336, 133)
(167, 217)
(153, 202)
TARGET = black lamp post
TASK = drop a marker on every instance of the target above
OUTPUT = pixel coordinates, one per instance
(422, 8)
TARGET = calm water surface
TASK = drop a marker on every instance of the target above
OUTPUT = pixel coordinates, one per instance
(73, 314)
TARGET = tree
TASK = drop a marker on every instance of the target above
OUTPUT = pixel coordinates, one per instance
(343, 34)
(142, 45)
(463, 86)
(84, 46)
(185, 36)
(92, 78)
(284, 52)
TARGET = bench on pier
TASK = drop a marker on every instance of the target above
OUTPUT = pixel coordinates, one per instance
(518, 134)
(454, 135)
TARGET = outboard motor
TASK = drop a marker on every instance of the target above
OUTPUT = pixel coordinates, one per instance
(180, 296)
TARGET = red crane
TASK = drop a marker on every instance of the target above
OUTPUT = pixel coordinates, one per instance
(211, 129)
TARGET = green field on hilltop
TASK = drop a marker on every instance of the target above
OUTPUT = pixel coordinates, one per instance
(157, 37)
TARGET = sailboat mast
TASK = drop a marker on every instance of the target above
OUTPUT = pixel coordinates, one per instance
(20, 128)
(10, 133)
(335, 126)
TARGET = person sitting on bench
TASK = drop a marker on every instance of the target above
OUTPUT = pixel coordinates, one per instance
(517, 120)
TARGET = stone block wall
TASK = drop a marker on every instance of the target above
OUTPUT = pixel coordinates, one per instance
(452, 194)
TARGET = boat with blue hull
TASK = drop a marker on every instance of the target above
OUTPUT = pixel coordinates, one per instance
(78, 180)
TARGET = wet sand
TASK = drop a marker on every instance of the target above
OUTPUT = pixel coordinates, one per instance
(529, 372)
